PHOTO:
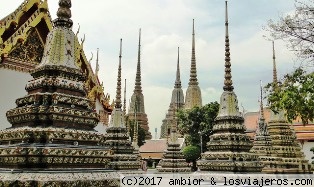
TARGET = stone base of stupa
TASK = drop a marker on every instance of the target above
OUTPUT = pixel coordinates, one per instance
(64, 178)
(173, 160)
(174, 166)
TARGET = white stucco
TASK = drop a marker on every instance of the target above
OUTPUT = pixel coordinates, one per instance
(306, 147)
(100, 127)
(12, 86)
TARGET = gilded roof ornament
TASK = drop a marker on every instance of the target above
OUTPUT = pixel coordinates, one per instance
(97, 64)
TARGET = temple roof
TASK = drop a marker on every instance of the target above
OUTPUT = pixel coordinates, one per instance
(23, 36)
(303, 132)
(157, 145)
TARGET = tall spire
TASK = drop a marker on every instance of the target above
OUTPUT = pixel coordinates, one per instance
(261, 102)
(228, 81)
(97, 64)
(124, 99)
(118, 92)
(138, 84)
(178, 79)
(193, 74)
(275, 81)
(193, 92)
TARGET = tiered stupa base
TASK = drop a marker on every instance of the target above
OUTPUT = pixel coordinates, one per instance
(229, 162)
(263, 148)
(173, 160)
(286, 147)
(59, 178)
(52, 148)
(229, 145)
(123, 157)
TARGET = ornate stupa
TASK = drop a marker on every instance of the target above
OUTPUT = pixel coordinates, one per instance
(262, 145)
(173, 158)
(177, 103)
(117, 136)
(229, 145)
(53, 125)
(284, 142)
(137, 107)
(193, 95)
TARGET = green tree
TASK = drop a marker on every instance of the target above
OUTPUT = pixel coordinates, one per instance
(141, 132)
(297, 30)
(198, 122)
(191, 154)
(294, 95)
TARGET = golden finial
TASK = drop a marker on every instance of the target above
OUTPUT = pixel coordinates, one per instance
(82, 40)
(78, 30)
(91, 58)
(97, 64)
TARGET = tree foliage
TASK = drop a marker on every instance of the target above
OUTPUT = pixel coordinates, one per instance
(196, 120)
(297, 29)
(294, 95)
(191, 153)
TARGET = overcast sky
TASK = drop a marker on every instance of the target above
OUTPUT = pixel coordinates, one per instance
(166, 25)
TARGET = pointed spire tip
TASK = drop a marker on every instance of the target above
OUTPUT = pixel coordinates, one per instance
(228, 81)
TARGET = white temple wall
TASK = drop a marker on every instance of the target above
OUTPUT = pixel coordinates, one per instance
(306, 147)
(12, 86)
(100, 127)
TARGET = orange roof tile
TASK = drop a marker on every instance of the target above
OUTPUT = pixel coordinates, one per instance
(157, 145)
(303, 132)
(151, 155)
(154, 146)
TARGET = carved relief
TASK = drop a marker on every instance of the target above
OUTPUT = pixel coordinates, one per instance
(104, 117)
(30, 50)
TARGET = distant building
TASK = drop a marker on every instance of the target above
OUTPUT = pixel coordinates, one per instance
(137, 105)
(304, 133)
(193, 95)
(176, 103)
(154, 149)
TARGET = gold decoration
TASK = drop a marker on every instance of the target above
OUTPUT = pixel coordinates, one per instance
(30, 50)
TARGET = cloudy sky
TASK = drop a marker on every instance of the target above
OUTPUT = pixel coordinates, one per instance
(166, 25)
